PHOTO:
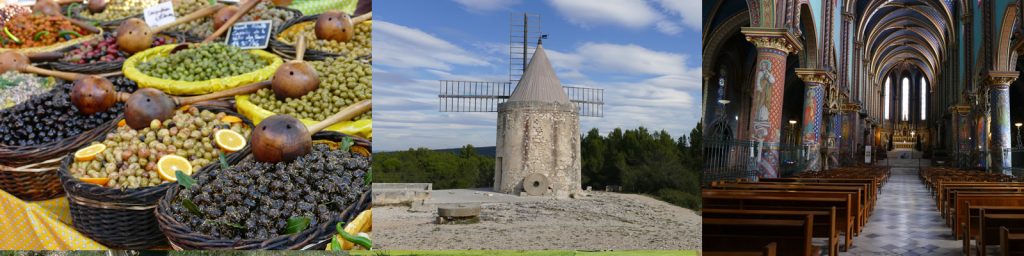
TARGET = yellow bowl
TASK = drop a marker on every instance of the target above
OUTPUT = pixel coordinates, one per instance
(361, 128)
(176, 87)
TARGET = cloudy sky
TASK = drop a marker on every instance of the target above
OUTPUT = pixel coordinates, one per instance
(644, 54)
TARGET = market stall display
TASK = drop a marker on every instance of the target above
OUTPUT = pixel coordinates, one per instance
(16, 87)
(203, 28)
(359, 45)
(37, 133)
(9, 11)
(134, 35)
(101, 55)
(110, 14)
(270, 63)
(307, 189)
(33, 31)
(119, 213)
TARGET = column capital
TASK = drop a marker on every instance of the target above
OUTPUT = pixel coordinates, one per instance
(1000, 79)
(815, 76)
(847, 16)
(850, 107)
(772, 38)
(962, 108)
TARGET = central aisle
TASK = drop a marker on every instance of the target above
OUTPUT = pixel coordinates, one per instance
(905, 221)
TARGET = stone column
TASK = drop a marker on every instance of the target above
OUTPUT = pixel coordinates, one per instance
(773, 46)
(814, 103)
(851, 130)
(999, 98)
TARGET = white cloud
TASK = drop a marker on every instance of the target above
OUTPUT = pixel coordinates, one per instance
(628, 59)
(633, 14)
(487, 5)
(404, 47)
(689, 11)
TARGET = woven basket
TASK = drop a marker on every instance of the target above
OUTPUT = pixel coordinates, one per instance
(288, 51)
(30, 172)
(317, 237)
(122, 218)
(104, 67)
(76, 13)
(190, 37)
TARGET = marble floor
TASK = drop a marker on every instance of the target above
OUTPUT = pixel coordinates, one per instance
(905, 221)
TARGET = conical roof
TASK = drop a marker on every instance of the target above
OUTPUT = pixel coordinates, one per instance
(539, 82)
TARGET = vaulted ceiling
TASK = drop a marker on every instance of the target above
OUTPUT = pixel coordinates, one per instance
(904, 34)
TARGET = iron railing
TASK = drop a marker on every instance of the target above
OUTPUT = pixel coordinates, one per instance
(732, 159)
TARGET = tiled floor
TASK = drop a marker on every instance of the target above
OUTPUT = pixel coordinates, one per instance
(905, 221)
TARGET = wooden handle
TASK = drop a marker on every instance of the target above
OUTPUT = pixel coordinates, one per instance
(246, 89)
(44, 56)
(192, 16)
(231, 22)
(84, 25)
(115, 73)
(63, 2)
(46, 72)
(123, 96)
(300, 48)
(361, 18)
(344, 115)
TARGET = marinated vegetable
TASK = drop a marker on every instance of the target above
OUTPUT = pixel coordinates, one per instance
(203, 62)
(361, 45)
(18, 87)
(34, 30)
(343, 81)
(50, 116)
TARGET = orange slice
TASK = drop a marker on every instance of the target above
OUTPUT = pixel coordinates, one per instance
(229, 140)
(89, 153)
(168, 164)
(102, 182)
(121, 123)
(231, 119)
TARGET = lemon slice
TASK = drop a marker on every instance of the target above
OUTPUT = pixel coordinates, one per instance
(102, 182)
(231, 119)
(229, 140)
(90, 152)
(168, 164)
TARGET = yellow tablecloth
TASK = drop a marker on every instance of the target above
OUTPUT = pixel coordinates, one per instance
(42, 225)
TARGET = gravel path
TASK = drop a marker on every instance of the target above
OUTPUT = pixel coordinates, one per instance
(601, 221)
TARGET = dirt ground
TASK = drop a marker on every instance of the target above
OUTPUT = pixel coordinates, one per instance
(600, 221)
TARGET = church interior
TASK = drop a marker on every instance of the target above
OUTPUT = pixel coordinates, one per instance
(863, 127)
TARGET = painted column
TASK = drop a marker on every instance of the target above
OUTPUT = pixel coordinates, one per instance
(999, 97)
(814, 103)
(851, 131)
(773, 46)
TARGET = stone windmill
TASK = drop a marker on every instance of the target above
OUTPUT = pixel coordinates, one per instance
(538, 135)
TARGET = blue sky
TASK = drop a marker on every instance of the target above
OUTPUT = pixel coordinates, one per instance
(644, 54)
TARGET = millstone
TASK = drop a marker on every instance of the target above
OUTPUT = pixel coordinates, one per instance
(458, 211)
(536, 184)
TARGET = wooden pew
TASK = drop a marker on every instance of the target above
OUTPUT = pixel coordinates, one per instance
(974, 221)
(792, 237)
(824, 221)
(871, 196)
(787, 200)
(873, 184)
(942, 194)
(981, 200)
(1011, 243)
(989, 225)
(767, 250)
(954, 219)
(946, 205)
(859, 198)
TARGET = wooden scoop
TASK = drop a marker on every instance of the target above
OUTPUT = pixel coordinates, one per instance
(222, 26)
(14, 60)
(134, 35)
(337, 26)
(295, 78)
(282, 138)
(52, 8)
(148, 104)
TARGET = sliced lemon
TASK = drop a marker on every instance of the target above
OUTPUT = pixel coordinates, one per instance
(121, 123)
(168, 164)
(89, 153)
(231, 119)
(102, 182)
(229, 140)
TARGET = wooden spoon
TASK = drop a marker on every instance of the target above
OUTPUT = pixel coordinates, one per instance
(148, 104)
(337, 26)
(282, 138)
(134, 35)
(295, 78)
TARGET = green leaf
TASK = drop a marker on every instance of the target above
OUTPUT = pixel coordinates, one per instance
(223, 162)
(184, 180)
(335, 244)
(340, 227)
(229, 224)
(297, 224)
(346, 144)
(191, 206)
(361, 241)
(369, 178)
(213, 1)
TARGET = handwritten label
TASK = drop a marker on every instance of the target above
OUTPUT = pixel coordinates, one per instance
(159, 14)
(251, 34)
(22, 2)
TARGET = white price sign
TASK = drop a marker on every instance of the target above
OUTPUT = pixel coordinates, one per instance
(159, 14)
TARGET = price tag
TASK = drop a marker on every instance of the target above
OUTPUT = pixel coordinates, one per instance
(22, 2)
(251, 34)
(159, 14)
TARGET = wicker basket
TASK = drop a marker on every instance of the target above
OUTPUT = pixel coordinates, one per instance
(104, 67)
(288, 51)
(122, 218)
(30, 172)
(199, 38)
(182, 237)
(76, 13)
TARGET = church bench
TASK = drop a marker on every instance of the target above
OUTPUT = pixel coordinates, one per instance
(981, 200)
(768, 250)
(873, 184)
(824, 221)
(950, 211)
(791, 237)
(870, 199)
(951, 193)
(973, 219)
(788, 200)
(1011, 243)
(989, 225)
(942, 191)
(858, 195)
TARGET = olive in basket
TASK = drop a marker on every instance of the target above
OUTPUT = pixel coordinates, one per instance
(282, 138)
(134, 35)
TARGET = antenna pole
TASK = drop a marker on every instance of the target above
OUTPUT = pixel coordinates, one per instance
(526, 39)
